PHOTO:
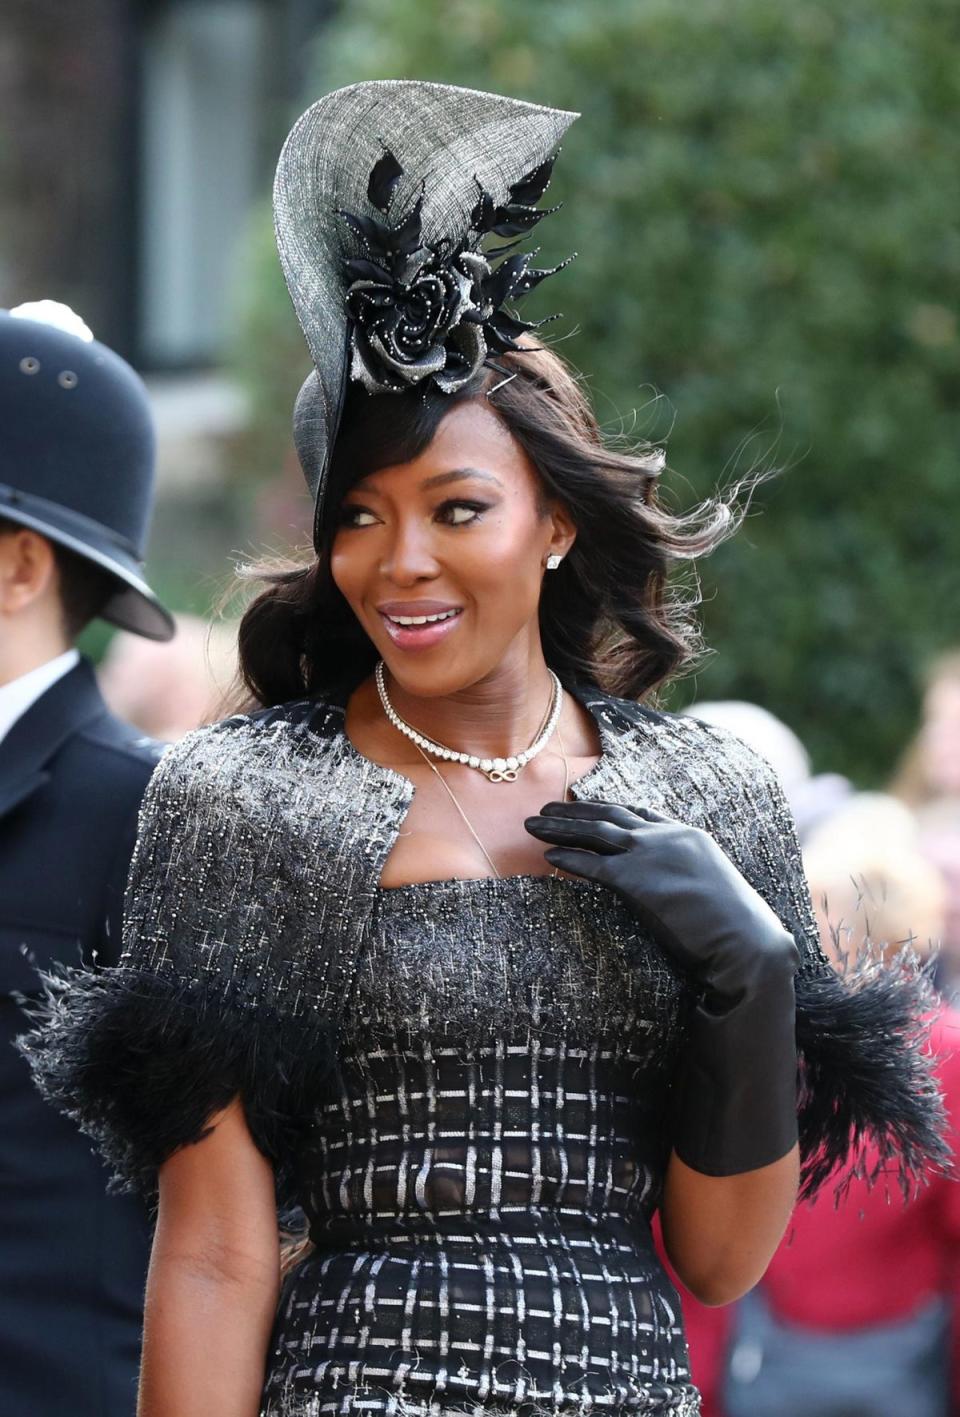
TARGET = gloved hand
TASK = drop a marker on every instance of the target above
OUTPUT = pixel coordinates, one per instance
(738, 1108)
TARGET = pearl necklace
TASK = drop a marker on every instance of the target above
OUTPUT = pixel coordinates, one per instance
(494, 769)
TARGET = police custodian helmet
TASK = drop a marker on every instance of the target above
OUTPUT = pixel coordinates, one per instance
(77, 453)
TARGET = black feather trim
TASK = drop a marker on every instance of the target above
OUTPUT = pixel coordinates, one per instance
(869, 1100)
(142, 1064)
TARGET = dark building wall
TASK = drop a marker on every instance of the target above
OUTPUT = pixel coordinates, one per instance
(135, 138)
(67, 194)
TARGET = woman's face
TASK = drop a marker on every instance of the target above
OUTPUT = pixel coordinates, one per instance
(459, 535)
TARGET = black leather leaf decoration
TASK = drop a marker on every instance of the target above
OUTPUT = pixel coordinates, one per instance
(530, 279)
(519, 213)
(436, 311)
(528, 191)
(406, 236)
(384, 177)
(377, 238)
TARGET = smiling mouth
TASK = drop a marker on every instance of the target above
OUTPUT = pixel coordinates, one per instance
(421, 632)
(413, 621)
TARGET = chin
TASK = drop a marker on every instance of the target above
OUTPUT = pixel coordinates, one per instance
(440, 676)
(430, 681)
(449, 668)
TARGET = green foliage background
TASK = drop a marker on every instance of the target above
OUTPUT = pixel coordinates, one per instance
(764, 202)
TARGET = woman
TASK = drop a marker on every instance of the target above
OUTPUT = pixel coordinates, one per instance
(477, 964)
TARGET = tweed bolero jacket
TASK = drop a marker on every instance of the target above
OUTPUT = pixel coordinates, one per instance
(258, 861)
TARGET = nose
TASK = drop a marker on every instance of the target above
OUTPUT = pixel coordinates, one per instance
(408, 557)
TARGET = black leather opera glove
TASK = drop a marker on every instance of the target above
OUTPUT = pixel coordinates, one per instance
(738, 1084)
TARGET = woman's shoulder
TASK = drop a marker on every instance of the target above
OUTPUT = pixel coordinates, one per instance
(680, 739)
(247, 748)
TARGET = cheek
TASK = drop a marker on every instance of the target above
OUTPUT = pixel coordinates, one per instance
(347, 567)
(507, 559)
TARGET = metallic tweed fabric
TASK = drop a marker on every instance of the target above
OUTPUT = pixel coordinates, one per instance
(480, 1187)
(263, 838)
(250, 901)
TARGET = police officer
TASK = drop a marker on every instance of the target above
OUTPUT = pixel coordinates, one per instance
(76, 485)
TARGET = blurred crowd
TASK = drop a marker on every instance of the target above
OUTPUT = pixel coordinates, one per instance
(166, 688)
(859, 1313)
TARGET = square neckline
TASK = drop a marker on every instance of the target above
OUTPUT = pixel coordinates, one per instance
(460, 882)
(608, 741)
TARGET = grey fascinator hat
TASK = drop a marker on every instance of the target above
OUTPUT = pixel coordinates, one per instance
(398, 208)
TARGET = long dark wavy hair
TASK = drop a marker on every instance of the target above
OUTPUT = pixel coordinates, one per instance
(610, 615)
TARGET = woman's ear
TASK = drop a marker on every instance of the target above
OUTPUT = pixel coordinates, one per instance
(563, 532)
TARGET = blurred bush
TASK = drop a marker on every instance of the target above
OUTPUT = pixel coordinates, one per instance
(763, 198)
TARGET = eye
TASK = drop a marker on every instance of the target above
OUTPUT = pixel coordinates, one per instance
(461, 513)
(356, 516)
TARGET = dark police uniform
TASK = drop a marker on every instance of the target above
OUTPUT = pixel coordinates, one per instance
(72, 1258)
(76, 466)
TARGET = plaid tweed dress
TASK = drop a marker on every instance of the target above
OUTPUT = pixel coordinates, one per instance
(480, 1187)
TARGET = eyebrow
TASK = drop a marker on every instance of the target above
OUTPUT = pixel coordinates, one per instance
(456, 474)
(440, 479)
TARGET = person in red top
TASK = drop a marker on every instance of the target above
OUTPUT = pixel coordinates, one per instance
(857, 1315)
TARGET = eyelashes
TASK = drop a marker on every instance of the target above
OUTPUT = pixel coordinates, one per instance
(350, 517)
(455, 512)
(474, 511)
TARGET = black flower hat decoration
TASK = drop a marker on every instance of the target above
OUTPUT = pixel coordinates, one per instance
(423, 311)
(389, 200)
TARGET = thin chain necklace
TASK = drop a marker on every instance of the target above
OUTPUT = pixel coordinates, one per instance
(493, 769)
(469, 825)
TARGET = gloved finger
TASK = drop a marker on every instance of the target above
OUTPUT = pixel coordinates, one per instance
(649, 814)
(596, 835)
(594, 811)
(577, 863)
(627, 817)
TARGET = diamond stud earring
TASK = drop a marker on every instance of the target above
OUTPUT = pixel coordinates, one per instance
(553, 561)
